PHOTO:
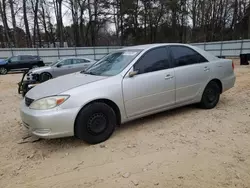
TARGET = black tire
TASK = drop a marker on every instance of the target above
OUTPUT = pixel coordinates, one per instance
(211, 96)
(95, 123)
(3, 70)
(45, 76)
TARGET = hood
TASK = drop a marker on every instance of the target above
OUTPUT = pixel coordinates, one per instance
(40, 69)
(61, 84)
(3, 61)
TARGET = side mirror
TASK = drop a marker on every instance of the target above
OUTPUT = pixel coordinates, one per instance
(132, 74)
(58, 65)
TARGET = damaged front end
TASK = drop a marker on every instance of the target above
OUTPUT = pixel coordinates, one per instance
(28, 81)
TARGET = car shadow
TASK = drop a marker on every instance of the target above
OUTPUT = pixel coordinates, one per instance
(147, 120)
(15, 72)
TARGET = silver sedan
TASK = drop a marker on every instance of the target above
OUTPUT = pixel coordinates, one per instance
(59, 68)
(127, 84)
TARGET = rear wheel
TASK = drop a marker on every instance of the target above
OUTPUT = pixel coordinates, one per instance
(211, 96)
(95, 123)
(45, 76)
(3, 70)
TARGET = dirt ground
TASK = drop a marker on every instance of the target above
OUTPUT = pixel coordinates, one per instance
(186, 147)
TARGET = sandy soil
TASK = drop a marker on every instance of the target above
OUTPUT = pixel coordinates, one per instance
(186, 147)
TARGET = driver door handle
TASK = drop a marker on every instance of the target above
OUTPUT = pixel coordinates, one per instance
(206, 69)
(169, 77)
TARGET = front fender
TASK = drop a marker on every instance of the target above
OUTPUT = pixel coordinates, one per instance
(110, 89)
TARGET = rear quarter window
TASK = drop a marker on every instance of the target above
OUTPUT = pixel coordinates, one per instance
(183, 55)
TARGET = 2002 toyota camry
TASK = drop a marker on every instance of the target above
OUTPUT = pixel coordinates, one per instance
(127, 84)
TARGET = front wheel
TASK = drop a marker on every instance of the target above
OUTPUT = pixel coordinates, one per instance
(3, 70)
(211, 96)
(45, 76)
(95, 123)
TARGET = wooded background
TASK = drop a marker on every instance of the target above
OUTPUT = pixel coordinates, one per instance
(44, 23)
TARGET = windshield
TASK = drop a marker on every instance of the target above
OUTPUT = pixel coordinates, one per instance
(54, 63)
(113, 63)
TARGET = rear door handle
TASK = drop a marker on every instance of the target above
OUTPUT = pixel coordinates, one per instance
(168, 77)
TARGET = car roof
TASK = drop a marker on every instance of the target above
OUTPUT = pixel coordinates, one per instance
(26, 55)
(148, 46)
(74, 58)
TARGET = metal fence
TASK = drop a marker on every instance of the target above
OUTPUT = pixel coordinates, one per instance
(223, 48)
(52, 54)
(231, 48)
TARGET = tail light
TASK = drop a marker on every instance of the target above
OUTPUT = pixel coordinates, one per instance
(233, 65)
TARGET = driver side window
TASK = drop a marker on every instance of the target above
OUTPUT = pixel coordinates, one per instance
(154, 60)
(66, 62)
(14, 59)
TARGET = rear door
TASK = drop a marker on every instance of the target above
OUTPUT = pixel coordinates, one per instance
(26, 61)
(153, 87)
(192, 72)
(14, 63)
(79, 64)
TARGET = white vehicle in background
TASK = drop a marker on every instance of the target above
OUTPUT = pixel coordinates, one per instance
(59, 68)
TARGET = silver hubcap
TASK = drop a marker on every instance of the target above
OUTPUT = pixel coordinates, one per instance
(3, 70)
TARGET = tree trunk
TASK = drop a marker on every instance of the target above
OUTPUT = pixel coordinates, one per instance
(38, 35)
(26, 23)
(5, 23)
(121, 22)
(13, 18)
(94, 24)
(60, 23)
(74, 13)
(46, 36)
(82, 5)
(36, 25)
(89, 24)
(81, 35)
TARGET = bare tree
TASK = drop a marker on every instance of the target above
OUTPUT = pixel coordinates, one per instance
(59, 20)
(4, 19)
(26, 23)
(74, 7)
(13, 18)
(43, 19)
(83, 7)
(36, 30)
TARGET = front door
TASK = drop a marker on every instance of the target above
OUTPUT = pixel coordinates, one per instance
(14, 63)
(192, 72)
(153, 87)
(63, 67)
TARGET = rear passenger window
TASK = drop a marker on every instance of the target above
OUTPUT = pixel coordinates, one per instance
(183, 55)
(154, 60)
(66, 62)
(78, 61)
(26, 57)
